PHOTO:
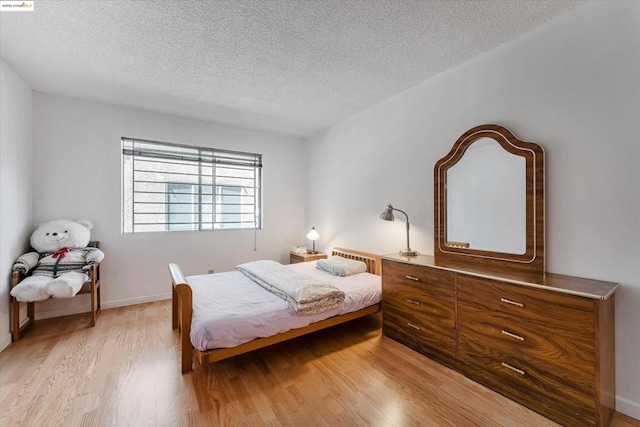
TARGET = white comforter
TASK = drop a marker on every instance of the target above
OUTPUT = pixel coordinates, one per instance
(306, 294)
(230, 309)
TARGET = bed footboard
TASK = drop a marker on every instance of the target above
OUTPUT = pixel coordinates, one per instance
(181, 310)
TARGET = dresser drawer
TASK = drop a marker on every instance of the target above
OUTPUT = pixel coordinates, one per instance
(436, 309)
(420, 289)
(555, 392)
(417, 278)
(508, 334)
(418, 331)
(566, 315)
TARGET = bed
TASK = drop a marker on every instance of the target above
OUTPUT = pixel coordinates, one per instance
(212, 327)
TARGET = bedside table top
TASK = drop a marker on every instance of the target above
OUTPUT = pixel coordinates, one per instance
(295, 258)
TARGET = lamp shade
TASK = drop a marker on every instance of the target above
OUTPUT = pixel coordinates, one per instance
(313, 234)
(387, 215)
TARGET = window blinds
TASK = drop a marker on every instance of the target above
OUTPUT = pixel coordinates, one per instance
(171, 187)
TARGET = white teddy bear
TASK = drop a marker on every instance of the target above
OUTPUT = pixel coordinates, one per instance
(60, 262)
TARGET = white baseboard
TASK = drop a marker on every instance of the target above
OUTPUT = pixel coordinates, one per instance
(5, 341)
(59, 312)
(8, 339)
(134, 301)
(67, 311)
(628, 407)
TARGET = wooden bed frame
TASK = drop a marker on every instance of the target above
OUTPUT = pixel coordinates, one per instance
(181, 312)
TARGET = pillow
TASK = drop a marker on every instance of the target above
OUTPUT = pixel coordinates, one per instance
(340, 266)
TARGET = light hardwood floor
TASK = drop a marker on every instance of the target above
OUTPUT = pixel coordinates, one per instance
(125, 372)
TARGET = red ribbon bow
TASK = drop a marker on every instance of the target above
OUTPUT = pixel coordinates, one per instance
(60, 253)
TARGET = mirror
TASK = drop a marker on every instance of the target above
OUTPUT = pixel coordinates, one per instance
(489, 201)
(489, 183)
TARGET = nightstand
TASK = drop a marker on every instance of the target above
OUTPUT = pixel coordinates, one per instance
(296, 258)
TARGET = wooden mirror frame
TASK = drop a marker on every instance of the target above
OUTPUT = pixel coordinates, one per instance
(533, 258)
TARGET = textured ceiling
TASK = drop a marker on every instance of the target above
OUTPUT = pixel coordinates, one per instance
(286, 66)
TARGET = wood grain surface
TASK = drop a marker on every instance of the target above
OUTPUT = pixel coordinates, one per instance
(567, 315)
(548, 338)
(551, 351)
(124, 372)
(503, 333)
(427, 293)
(533, 259)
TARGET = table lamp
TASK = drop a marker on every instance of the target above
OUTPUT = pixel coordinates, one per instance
(313, 236)
(387, 215)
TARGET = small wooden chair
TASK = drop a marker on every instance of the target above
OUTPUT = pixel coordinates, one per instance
(91, 286)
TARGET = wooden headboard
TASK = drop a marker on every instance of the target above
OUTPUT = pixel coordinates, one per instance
(371, 260)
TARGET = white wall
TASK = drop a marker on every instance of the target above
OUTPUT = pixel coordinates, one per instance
(16, 183)
(571, 85)
(77, 176)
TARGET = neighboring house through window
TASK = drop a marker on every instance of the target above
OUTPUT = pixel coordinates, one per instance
(170, 187)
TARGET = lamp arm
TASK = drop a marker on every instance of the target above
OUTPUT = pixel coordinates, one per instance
(407, 216)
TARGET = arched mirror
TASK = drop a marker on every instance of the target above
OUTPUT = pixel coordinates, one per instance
(489, 201)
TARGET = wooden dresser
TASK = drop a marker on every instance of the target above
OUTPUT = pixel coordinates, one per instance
(544, 340)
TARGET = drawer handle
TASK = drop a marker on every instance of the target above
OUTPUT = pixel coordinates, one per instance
(508, 301)
(411, 325)
(513, 368)
(415, 279)
(509, 334)
(413, 302)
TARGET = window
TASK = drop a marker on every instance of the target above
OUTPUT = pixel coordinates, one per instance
(181, 202)
(170, 187)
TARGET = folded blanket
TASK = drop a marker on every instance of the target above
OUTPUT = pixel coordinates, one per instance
(306, 294)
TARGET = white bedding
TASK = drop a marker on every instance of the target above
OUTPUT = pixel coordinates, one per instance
(306, 294)
(229, 309)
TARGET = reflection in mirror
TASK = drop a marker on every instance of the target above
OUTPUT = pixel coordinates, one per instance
(486, 199)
